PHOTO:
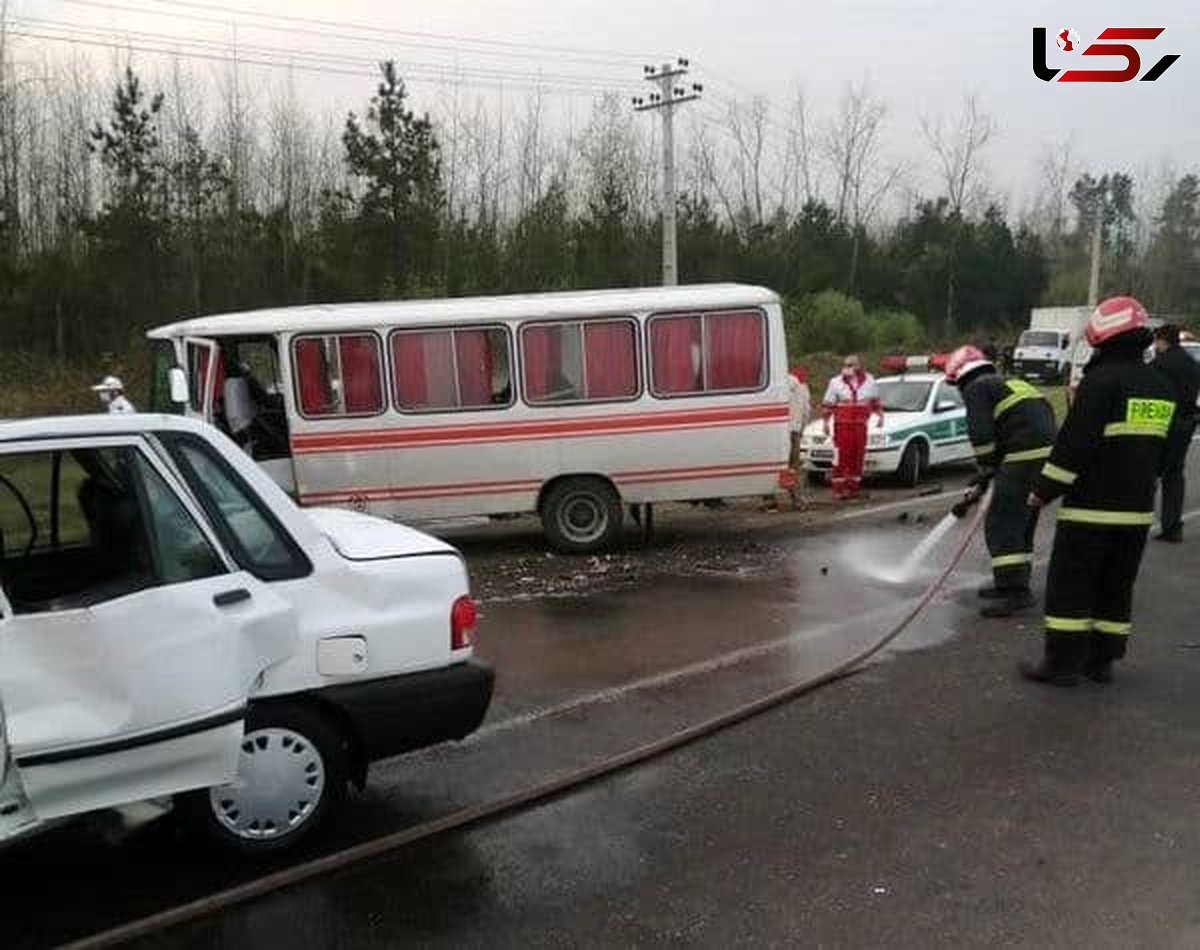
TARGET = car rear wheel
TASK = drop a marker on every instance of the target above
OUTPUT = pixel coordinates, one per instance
(291, 776)
(913, 464)
(581, 515)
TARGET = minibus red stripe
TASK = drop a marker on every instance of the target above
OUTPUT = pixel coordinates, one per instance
(499, 488)
(575, 427)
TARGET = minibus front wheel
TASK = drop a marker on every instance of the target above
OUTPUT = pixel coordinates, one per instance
(581, 514)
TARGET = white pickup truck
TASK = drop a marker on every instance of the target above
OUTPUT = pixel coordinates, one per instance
(173, 627)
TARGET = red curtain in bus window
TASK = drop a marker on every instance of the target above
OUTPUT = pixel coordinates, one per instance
(312, 382)
(734, 346)
(424, 368)
(541, 352)
(474, 353)
(408, 368)
(675, 355)
(361, 389)
(611, 360)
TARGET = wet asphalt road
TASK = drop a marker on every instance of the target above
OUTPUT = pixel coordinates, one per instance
(932, 800)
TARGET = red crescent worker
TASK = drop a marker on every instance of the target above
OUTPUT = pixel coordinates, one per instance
(850, 400)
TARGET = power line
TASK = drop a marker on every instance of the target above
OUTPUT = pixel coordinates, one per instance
(347, 37)
(446, 78)
(76, 30)
(624, 55)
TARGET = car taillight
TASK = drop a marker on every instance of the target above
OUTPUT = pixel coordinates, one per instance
(463, 617)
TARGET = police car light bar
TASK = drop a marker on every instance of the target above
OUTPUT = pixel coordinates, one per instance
(899, 363)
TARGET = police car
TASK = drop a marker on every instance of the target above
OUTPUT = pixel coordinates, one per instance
(925, 426)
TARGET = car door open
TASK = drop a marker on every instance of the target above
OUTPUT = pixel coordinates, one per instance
(131, 642)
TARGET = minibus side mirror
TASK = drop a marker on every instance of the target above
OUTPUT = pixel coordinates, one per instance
(178, 383)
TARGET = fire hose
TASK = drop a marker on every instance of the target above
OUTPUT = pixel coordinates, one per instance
(477, 815)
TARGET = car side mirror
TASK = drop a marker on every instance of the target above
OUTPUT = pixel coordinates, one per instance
(946, 406)
(177, 380)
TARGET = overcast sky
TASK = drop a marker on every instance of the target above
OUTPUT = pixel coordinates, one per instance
(922, 56)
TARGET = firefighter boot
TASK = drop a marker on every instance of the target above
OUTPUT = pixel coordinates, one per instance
(1008, 602)
(990, 592)
(1047, 672)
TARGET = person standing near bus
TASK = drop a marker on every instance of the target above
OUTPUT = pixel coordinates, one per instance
(851, 399)
(799, 414)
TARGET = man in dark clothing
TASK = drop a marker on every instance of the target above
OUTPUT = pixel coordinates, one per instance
(1184, 375)
(1011, 427)
(1105, 463)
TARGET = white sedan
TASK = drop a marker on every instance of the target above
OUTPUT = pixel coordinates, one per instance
(925, 425)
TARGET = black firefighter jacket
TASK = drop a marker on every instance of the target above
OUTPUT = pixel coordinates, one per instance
(1107, 458)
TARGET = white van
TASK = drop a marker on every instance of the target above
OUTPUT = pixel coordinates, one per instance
(172, 625)
(571, 405)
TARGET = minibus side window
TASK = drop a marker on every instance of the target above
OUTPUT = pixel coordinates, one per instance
(338, 375)
(585, 361)
(707, 353)
(251, 534)
(448, 369)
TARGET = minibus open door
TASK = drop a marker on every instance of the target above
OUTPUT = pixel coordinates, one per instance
(202, 360)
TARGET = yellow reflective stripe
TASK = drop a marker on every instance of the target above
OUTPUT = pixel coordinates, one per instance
(1054, 473)
(1119, 627)
(1068, 624)
(1096, 516)
(1009, 401)
(1011, 560)
(1029, 455)
(1018, 390)
(1154, 429)
(985, 449)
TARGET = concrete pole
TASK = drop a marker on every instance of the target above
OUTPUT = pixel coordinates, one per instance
(670, 259)
(1097, 247)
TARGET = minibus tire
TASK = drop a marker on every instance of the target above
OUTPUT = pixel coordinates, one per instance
(279, 724)
(578, 495)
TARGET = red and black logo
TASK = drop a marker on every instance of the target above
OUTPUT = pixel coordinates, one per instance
(1068, 42)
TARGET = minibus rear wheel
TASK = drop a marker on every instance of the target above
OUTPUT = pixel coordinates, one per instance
(581, 514)
(292, 776)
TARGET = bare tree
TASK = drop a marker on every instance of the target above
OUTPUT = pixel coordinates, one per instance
(1058, 170)
(747, 126)
(706, 162)
(800, 185)
(957, 146)
(852, 144)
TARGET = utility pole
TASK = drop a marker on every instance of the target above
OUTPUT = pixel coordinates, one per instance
(1097, 247)
(671, 93)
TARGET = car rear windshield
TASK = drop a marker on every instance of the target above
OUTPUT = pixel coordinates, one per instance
(1038, 338)
(904, 395)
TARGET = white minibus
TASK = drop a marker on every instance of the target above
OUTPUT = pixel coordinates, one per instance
(572, 405)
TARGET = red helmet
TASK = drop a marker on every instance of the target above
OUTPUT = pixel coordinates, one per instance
(1113, 317)
(964, 361)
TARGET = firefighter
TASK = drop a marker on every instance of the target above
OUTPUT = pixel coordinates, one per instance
(1184, 375)
(1011, 427)
(1105, 463)
(851, 399)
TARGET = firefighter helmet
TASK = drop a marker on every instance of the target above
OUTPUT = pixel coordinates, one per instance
(964, 361)
(1114, 317)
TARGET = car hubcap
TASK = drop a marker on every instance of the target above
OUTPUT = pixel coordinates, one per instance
(279, 784)
(582, 519)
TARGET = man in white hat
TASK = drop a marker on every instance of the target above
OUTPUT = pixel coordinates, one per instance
(112, 393)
